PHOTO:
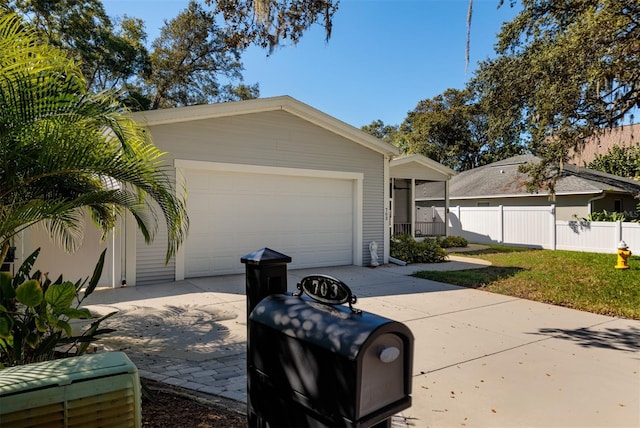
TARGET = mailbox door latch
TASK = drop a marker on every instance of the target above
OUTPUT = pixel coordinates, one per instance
(389, 355)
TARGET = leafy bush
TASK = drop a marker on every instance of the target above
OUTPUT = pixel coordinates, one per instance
(406, 248)
(35, 315)
(454, 241)
(623, 161)
(605, 215)
(612, 216)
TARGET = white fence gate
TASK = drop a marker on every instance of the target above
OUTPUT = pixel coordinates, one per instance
(537, 227)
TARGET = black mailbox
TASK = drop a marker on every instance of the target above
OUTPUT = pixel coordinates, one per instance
(313, 363)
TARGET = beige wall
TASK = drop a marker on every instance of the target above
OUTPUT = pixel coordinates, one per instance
(278, 139)
(629, 203)
(567, 207)
(623, 136)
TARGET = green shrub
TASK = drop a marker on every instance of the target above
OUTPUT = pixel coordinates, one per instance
(407, 249)
(605, 215)
(454, 241)
(35, 314)
(613, 216)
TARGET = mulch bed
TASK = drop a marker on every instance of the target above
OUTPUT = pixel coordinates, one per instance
(167, 406)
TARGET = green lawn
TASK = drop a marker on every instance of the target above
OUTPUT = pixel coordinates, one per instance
(584, 281)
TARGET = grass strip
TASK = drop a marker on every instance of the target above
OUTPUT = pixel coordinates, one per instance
(583, 281)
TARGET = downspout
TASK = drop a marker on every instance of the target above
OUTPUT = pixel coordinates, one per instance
(123, 250)
(387, 197)
(595, 198)
(113, 257)
(392, 208)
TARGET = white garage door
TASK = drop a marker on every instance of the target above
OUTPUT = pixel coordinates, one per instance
(232, 214)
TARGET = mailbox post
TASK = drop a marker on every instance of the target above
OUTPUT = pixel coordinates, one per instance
(265, 274)
(313, 361)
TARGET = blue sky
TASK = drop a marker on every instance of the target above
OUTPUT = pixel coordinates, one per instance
(384, 56)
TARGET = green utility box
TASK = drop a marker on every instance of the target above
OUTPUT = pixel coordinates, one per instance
(97, 390)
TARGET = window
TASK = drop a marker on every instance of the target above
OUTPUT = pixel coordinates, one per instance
(617, 205)
(482, 204)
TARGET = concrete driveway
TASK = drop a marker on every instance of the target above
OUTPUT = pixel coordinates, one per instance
(480, 359)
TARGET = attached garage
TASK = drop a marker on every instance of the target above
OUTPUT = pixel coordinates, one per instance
(235, 212)
(271, 172)
(274, 173)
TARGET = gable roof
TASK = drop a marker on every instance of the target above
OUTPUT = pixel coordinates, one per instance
(419, 167)
(284, 103)
(502, 179)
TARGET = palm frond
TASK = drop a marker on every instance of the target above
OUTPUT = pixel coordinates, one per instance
(61, 149)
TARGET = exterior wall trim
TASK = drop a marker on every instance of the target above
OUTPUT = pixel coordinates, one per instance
(182, 164)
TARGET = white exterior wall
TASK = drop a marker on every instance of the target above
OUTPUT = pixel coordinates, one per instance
(148, 264)
(275, 139)
(77, 265)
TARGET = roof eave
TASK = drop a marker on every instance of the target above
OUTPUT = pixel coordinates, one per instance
(424, 161)
(285, 103)
(526, 195)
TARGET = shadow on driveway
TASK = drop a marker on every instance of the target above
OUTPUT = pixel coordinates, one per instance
(621, 339)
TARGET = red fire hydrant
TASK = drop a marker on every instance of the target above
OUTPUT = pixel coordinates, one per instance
(623, 255)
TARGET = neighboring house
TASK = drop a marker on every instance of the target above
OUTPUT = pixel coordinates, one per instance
(270, 172)
(579, 191)
(622, 136)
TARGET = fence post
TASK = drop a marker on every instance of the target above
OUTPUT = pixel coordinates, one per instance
(553, 227)
(618, 233)
(501, 222)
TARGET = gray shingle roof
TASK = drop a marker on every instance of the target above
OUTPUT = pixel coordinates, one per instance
(503, 179)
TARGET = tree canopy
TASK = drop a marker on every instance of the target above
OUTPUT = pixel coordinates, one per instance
(269, 23)
(566, 70)
(450, 128)
(109, 55)
(189, 60)
(447, 129)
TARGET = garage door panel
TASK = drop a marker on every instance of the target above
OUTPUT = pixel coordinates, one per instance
(321, 258)
(232, 214)
(199, 265)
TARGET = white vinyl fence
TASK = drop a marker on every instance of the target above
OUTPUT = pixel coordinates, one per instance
(537, 227)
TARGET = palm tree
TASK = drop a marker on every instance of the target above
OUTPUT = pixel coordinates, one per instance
(64, 150)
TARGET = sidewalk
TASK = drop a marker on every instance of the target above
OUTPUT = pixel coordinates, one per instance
(480, 359)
